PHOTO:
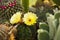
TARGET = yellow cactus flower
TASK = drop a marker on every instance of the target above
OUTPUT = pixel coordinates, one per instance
(30, 18)
(16, 18)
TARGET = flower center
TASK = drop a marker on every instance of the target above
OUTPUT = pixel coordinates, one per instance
(29, 20)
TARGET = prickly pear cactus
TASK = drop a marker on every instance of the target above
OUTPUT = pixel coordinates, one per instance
(43, 34)
(44, 26)
(54, 27)
(43, 31)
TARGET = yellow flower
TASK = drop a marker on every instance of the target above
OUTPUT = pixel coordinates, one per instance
(16, 18)
(30, 18)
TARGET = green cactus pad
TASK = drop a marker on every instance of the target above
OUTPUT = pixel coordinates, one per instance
(43, 35)
(44, 26)
(57, 15)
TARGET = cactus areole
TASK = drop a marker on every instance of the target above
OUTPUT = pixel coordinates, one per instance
(56, 2)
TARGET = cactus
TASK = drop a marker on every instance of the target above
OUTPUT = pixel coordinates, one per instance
(23, 33)
(57, 16)
(25, 4)
(5, 2)
(54, 29)
(44, 26)
(52, 26)
(7, 12)
(43, 35)
(57, 35)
